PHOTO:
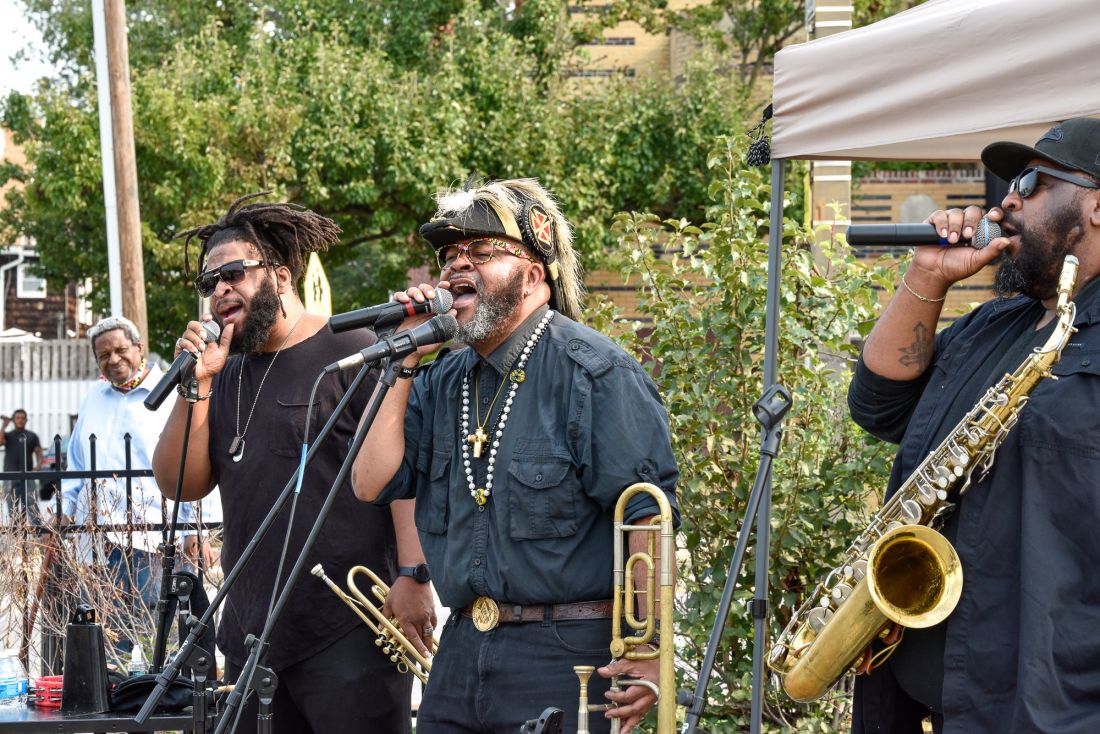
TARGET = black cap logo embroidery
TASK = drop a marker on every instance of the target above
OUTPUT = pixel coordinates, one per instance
(1054, 134)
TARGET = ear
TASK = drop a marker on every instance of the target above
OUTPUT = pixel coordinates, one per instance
(535, 275)
(1093, 199)
(284, 283)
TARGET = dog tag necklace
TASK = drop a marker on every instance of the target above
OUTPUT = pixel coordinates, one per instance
(236, 446)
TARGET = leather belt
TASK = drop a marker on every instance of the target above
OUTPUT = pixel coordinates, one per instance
(488, 613)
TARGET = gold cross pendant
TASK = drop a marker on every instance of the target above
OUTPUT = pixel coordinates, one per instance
(478, 438)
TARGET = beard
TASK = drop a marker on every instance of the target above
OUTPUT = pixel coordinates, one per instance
(493, 311)
(263, 310)
(1035, 269)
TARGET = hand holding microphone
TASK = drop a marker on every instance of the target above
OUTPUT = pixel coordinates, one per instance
(186, 362)
(941, 258)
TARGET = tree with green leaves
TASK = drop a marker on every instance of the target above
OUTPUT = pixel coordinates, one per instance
(356, 111)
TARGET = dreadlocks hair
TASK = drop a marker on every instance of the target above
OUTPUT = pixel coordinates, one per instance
(283, 233)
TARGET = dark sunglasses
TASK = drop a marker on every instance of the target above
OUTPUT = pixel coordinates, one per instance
(1024, 184)
(231, 273)
(477, 251)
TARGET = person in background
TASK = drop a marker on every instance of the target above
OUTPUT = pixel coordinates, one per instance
(16, 495)
(113, 408)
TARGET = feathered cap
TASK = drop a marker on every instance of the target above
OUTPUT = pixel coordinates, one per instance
(522, 210)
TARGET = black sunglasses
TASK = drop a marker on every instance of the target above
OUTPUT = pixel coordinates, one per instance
(1024, 184)
(231, 273)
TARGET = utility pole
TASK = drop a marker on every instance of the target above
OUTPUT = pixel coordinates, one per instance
(122, 127)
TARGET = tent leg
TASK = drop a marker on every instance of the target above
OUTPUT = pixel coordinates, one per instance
(763, 517)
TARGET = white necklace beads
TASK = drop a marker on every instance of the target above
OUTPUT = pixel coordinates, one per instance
(516, 376)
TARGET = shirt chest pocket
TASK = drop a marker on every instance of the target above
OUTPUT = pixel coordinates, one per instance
(432, 506)
(542, 497)
(289, 430)
(1062, 414)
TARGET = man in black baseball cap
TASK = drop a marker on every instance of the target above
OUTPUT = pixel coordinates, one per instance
(1020, 653)
(1073, 144)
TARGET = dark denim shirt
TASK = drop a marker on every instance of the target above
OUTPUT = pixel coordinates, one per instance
(1022, 651)
(586, 423)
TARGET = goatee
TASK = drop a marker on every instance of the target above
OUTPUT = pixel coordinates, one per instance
(263, 311)
(1043, 248)
(493, 311)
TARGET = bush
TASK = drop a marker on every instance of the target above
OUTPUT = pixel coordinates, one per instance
(703, 289)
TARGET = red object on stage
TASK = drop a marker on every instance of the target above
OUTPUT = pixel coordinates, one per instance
(46, 692)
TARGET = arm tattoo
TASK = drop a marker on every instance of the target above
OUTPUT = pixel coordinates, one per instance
(919, 353)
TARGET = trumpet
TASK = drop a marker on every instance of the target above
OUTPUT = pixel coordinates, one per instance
(395, 645)
(644, 628)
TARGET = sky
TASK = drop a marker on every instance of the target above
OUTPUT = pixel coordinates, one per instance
(17, 33)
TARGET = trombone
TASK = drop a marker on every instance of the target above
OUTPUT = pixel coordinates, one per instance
(395, 645)
(645, 628)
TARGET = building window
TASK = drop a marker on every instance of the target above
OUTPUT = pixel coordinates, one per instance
(27, 284)
(588, 73)
(613, 41)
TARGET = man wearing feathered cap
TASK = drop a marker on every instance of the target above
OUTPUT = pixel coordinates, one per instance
(1020, 653)
(516, 450)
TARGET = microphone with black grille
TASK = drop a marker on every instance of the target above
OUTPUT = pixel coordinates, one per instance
(181, 368)
(915, 235)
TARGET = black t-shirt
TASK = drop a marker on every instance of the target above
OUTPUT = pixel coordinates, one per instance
(12, 439)
(354, 533)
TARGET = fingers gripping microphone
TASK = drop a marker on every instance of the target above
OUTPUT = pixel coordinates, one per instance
(440, 329)
(913, 235)
(181, 368)
(391, 313)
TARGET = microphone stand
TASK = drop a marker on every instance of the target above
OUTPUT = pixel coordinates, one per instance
(252, 670)
(199, 627)
(769, 411)
(168, 547)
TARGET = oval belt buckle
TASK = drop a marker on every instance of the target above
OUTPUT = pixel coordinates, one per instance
(486, 614)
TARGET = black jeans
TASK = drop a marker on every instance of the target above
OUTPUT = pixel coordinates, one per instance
(492, 682)
(349, 686)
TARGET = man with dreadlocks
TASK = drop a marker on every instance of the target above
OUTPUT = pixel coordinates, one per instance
(516, 450)
(247, 439)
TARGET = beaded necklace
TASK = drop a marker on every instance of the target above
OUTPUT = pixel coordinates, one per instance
(128, 385)
(516, 376)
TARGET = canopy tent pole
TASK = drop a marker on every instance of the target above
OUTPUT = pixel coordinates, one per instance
(764, 512)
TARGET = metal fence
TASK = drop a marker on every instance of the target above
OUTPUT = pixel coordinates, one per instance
(37, 588)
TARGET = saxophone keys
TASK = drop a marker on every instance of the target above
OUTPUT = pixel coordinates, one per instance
(818, 617)
(911, 512)
(840, 594)
(927, 494)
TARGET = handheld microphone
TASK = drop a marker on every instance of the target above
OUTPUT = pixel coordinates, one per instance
(914, 235)
(181, 368)
(440, 329)
(391, 313)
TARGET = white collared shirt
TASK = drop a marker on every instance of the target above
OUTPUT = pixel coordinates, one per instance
(110, 415)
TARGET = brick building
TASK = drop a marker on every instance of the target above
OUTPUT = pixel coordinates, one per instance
(26, 301)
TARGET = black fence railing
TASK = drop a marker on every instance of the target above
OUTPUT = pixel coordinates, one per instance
(39, 579)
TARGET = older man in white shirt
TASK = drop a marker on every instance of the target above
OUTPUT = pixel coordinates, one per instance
(112, 410)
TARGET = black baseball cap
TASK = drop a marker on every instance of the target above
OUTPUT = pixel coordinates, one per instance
(1073, 144)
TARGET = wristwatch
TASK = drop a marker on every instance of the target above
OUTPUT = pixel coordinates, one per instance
(418, 573)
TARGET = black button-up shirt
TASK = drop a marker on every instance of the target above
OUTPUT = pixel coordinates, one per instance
(1021, 652)
(586, 423)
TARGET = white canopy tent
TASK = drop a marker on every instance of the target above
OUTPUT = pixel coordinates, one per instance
(939, 81)
(935, 83)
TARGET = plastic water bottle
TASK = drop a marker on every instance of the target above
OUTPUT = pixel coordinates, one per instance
(13, 680)
(138, 666)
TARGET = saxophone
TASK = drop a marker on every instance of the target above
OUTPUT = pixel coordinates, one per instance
(901, 572)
